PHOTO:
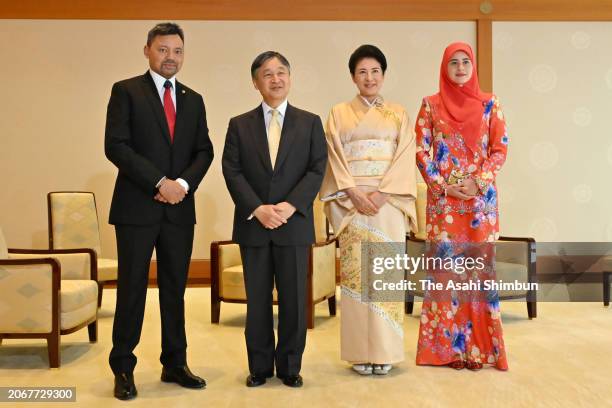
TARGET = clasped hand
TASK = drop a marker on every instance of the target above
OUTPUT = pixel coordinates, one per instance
(170, 192)
(367, 204)
(273, 216)
(464, 190)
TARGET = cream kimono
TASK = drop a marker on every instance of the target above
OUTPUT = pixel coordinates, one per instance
(372, 148)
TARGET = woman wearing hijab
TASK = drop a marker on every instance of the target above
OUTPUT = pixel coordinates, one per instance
(369, 191)
(461, 145)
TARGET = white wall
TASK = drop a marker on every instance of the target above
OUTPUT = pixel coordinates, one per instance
(555, 82)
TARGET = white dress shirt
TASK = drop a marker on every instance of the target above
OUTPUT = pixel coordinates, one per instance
(159, 85)
(267, 109)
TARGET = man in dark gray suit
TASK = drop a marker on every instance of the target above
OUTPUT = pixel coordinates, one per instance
(273, 163)
(156, 135)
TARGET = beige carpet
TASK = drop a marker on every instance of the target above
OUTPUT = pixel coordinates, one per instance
(561, 359)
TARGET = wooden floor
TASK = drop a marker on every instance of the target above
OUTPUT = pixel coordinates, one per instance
(561, 359)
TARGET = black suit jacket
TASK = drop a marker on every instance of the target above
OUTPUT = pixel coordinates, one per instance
(137, 141)
(296, 178)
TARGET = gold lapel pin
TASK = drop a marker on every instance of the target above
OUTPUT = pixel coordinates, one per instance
(183, 91)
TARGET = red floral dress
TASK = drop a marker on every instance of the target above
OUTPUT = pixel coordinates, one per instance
(452, 328)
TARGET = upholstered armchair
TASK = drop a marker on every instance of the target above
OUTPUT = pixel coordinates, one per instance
(514, 259)
(47, 293)
(227, 281)
(73, 223)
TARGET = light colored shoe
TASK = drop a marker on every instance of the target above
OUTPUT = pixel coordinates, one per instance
(363, 369)
(382, 369)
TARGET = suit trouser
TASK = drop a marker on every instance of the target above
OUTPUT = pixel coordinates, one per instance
(173, 244)
(287, 266)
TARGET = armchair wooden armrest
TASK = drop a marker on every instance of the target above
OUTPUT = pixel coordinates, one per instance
(93, 257)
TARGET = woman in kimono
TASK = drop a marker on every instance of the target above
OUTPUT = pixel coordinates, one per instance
(369, 191)
(461, 145)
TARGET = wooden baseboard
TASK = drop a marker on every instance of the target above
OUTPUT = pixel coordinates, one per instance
(199, 273)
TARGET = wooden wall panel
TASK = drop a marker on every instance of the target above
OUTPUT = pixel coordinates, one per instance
(484, 54)
(199, 273)
(368, 10)
(551, 10)
(242, 10)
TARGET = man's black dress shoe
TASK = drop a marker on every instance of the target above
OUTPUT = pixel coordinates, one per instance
(124, 386)
(254, 380)
(183, 377)
(294, 381)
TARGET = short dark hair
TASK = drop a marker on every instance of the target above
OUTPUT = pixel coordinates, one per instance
(164, 29)
(265, 56)
(367, 51)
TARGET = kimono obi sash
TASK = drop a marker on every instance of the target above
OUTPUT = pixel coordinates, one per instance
(369, 157)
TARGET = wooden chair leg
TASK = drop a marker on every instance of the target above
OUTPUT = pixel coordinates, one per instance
(53, 349)
(215, 310)
(409, 304)
(100, 287)
(606, 288)
(331, 303)
(310, 313)
(532, 310)
(92, 329)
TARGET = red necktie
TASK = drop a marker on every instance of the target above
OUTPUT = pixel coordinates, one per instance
(169, 109)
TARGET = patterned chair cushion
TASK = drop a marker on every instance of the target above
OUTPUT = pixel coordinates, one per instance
(421, 206)
(3, 247)
(229, 255)
(320, 224)
(74, 266)
(79, 316)
(25, 304)
(74, 221)
(107, 269)
(77, 293)
(233, 284)
(324, 271)
(605, 263)
(74, 224)
(79, 302)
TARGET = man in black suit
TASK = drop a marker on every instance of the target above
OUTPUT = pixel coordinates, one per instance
(156, 135)
(273, 164)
